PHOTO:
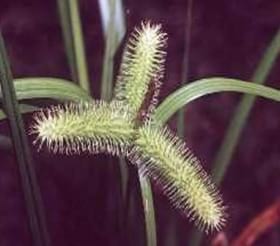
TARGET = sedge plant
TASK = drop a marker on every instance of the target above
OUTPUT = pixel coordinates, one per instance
(126, 127)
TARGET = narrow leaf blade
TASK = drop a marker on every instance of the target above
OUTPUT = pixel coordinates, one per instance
(74, 41)
(114, 29)
(242, 112)
(200, 88)
(43, 87)
(31, 190)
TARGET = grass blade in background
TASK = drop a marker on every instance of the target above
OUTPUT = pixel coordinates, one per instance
(185, 67)
(44, 87)
(23, 108)
(242, 112)
(203, 87)
(148, 205)
(30, 186)
(106, 7)
(113, 25)
(74, 41)
(238, 121)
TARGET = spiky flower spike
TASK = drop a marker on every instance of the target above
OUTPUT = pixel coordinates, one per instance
(142, 66)
(167, 160)
(92, 127)
(123, 127)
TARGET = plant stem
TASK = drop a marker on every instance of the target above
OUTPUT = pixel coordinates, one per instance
(149, 213)
(108, 60)
(74, 41)
(29, 182)
(185, 68)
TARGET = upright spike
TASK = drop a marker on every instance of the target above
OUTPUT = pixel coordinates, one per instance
(142, 66)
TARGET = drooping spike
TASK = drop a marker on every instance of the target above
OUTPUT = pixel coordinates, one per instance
(166, 159)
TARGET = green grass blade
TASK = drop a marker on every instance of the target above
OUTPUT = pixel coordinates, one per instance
(64, 15)
(225, 153)
(203, 87)
(242, 112)
(30, 186)
(74, 41)
(149, 213)
(185, 67)
(105, 7)
(114, 29)
(59, 89)
(24, 108)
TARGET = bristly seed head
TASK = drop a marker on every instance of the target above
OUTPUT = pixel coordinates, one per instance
(166, 159)
(142, 65)
(125, 127)
(91, 127)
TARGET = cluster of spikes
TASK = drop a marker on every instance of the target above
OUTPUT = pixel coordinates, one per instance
(125, 127)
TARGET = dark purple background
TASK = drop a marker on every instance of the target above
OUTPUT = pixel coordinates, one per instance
(80, 194)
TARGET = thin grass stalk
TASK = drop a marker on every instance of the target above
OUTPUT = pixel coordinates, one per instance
(105, 7)
(74, 41)
(108, 59)
(185, 67)
(64, 15)
(238, 121)
(29, 182)
(149, 213)
(242, 112)
(124, 178)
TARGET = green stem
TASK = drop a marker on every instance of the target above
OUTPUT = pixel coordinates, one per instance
(74, 41)
(185, 68)
(149, 213)
(29, 182)
(108, 60)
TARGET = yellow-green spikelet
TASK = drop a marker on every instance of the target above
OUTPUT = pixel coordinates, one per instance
(142, 64)
(166, 159)
(91, 127)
